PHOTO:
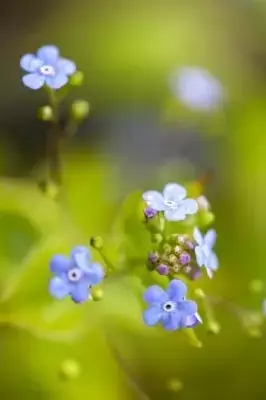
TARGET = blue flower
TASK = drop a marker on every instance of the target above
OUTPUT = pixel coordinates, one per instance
(74, 275)
(204, 254)
(46, 67)
(170, 308)
(172, 201)
(197, 89)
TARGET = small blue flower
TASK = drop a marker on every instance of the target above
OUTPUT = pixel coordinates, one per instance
(46, 67)
(172, 201)
(74, 275)
(170, 308)
(204, 254)
(197, 89)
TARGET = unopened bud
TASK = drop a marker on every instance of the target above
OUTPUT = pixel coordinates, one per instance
(77, 79)
(97, 293)
(97, 242)
(80, 109)
(45, 113)
(69, 370)
(157, 238)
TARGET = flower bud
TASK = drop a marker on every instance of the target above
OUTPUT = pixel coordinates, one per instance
(149, 212)
(80, 109)
(156, 238)
(70, 369)
(177, 250)
(45, 113)
(203, 203)
(167, 249)
(97, 293)
(77, 79)
(256, 286)
(184, 258)
(207, 218)
(153, 257)
(172, 259)
(162, 269)
(97, 242)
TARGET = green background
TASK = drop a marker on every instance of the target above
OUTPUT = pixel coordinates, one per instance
(127, 51)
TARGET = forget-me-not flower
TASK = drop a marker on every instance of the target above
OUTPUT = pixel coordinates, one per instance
(74, 275)
(46, 67)
(172, 201)
(196, 88)
(169, 307)
(204, 254)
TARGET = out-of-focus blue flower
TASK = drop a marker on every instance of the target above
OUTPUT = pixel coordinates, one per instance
(203, 251)
(46, 67)
(74, 275)
(196, 88)
(173, 202)
(170, 308)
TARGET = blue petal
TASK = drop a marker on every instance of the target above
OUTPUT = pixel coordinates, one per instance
(152, 316)
(188, 307)
(176, 290)
(200, 257)
(198, 236)
(81, 257)
(95, 274)
(59, 264)
(172, 321)
(30, 63)
(210, 238)
(58, 288)
(33, 81)
(68, 67)
(175, 215)
(48, 54)
(57, 81)
(155, 294)
(174, 192)
(80, 292)
(154, 200)
(193, 320)
(212, 262)
(188, 206)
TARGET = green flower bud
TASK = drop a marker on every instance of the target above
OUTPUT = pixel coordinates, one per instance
(80, 109)
(97, 242)
(256, 286)
(206, 218)
(45, 113)
(69, 369)
(77, 79)
(214, 327)
(167, 249)
(157, 238)
(97, 293)
(174, 385)
(199, 293)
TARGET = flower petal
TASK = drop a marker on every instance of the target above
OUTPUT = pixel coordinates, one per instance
(174, 192)
(176, 290)
(81, 257)
(212, 261)
(200, 257)
(174, 215)
(198, 236)
(193, 320)
(68, 67)
(58, 288)
(48, 54)
(172, 321)
(30, 63)
(95, 274)
(210, 238)
(152, 316)
(189, 206)
(154, 199)
(57, 81)
(80, 292)
(59, 264)
(188, 307)
(33, 81)
(155, 294)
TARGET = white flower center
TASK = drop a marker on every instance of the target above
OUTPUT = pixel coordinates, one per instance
(170, 204)
(74, 274)
(47, 70)
(169, 306)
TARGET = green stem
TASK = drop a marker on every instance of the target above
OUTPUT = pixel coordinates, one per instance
(54, 142)
(109, 265)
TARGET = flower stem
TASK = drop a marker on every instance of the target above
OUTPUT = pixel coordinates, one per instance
(54, 142)
(109, 265)
(212, 325)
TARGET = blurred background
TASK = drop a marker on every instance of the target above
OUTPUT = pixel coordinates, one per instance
(150, 122)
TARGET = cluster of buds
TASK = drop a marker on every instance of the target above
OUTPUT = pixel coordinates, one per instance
(176, 257)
